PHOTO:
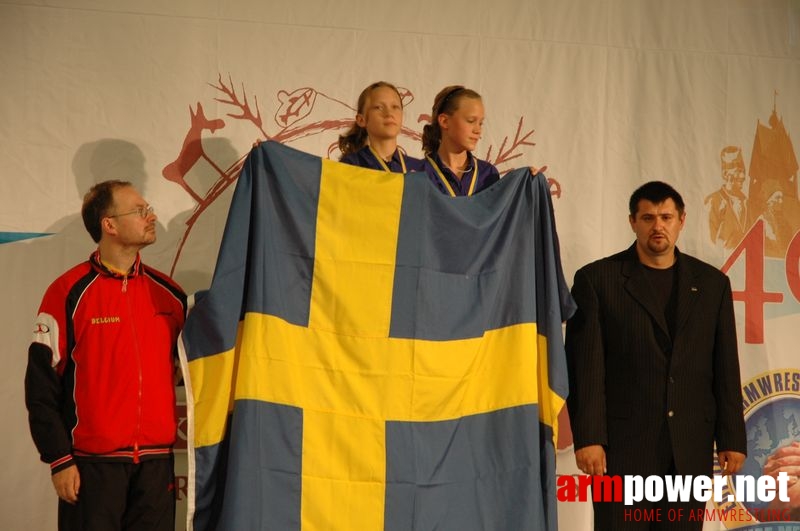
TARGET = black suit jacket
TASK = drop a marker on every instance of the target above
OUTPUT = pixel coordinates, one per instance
(628, 377)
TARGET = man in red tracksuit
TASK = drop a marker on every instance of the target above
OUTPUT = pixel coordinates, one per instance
(99, 386)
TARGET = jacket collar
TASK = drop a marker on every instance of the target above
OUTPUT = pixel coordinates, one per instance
(639, 288)
(98, 266)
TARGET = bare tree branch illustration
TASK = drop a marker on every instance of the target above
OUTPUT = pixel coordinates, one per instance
(242, 104)
(505, 155)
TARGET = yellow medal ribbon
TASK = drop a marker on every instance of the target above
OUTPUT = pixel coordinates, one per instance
(447, 184)
(383, 162)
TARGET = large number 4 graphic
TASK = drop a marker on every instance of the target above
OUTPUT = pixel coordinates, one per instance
(754, 295)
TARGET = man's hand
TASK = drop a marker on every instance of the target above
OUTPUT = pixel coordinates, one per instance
(730, 462)
(67, 483)
(591, 460)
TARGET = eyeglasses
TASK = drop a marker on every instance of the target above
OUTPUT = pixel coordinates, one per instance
(142, 211)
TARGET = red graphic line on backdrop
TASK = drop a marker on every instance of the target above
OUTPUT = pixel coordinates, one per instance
(192, 150)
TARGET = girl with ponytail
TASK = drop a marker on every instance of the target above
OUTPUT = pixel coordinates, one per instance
(448, 142)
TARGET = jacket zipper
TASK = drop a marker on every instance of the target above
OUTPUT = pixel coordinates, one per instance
(139, 373)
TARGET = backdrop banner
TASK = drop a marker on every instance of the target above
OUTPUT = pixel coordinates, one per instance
(608, 94)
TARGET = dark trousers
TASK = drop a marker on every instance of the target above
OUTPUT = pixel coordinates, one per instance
(122, 497)
(616, 516)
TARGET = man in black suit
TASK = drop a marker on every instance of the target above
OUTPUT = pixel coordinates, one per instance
(653, 363)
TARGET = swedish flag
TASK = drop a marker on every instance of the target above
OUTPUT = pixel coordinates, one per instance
(373, 355)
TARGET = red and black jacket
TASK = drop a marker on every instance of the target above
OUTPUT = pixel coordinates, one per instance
(100, 377)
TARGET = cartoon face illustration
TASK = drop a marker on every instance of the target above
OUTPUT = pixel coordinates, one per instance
(734, 179)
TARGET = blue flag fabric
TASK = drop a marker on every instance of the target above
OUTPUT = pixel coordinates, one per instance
(375, 355)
